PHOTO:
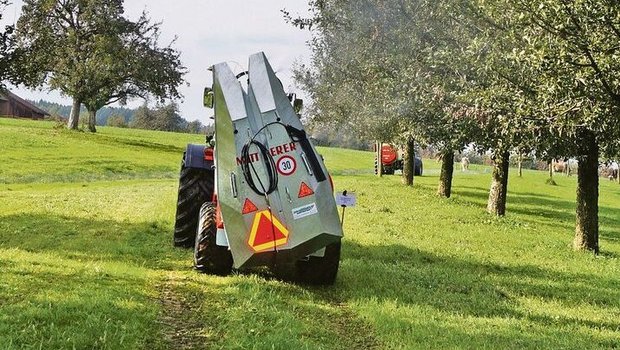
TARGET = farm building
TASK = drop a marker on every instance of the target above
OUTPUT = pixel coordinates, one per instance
(14, 106)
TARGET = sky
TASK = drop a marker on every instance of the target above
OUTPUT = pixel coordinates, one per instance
(209, 32)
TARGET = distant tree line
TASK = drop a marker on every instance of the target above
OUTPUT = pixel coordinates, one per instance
(57, 109)
(163, 118)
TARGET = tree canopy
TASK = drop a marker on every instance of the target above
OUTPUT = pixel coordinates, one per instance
(89, 51)
(532, 75)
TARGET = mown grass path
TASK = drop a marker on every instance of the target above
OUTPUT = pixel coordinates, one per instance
(86, 259)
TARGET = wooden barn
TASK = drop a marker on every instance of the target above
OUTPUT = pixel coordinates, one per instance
(14, 106)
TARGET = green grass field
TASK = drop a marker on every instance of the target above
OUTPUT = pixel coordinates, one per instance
(86, 259)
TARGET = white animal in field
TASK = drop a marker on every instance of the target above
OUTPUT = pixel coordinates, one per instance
(613, 173)
(464, 163)
(567, 167)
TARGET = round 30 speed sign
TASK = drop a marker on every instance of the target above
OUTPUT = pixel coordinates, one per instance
(287, 165)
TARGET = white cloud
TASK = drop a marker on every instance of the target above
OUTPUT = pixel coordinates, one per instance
(212, 31)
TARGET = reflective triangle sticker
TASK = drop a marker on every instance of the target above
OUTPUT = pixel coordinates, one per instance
(248, 207)
(305, 190)
(267, 232)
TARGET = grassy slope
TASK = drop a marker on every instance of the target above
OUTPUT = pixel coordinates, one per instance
(87, 263)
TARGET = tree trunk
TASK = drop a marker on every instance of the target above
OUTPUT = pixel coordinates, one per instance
(551, 169)
(378, 162)
(445, 177)
(92, 120)
(409, 162)
(520, 165)
(74, 117)
(499, 184)
(586, 231)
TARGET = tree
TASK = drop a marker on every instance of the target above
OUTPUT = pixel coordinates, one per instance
(167, 118)
(117, 121)
(6, 47)
(379, 67)
(90, 52)
(575, 47)
(135, 67)
(195, 127)
(143, 118)
(11, 67)
(581, 80)
(163, 118)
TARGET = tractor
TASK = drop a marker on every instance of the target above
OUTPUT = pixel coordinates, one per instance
(257, 194)
(392, 160)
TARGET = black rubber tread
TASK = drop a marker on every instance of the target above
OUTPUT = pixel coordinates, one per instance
(208, 256)
(320, 270)
(419, 167)
(195, 188)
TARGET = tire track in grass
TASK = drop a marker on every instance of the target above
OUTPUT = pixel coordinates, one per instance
(209, 317)
(355, 331)
(180, 322)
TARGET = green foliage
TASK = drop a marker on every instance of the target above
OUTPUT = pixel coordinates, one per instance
(195, 127)
(124, 117)
(12, 68)
(164, 118)
(89, 51)
(117, 121)
(327, 135)
(102, 115)
(6, 47)
(535, 75)
(90, 264)
(388, 70)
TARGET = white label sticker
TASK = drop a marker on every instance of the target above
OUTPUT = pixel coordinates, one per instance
(287, 165)
(304, 211)
(347, 200)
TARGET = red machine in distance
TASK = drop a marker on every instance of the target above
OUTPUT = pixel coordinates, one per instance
(392, 160)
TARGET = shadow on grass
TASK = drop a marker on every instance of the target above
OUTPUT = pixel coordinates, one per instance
(108, 140)
(243, 310)
(535, 205)
(260, 312)
(143, 244)
(49, 302)
(468, 288)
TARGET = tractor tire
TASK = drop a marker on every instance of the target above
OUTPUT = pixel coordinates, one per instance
(208, 256)
(388, 170)
(418, 167)
(195, 188)
(320, 270)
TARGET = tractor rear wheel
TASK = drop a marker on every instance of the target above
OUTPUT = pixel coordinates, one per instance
(195, 188)
(208, 256)
(320, 270)
(418, 167)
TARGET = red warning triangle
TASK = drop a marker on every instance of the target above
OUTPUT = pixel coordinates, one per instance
(265, 232)
(248, 207)
(305, 190)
